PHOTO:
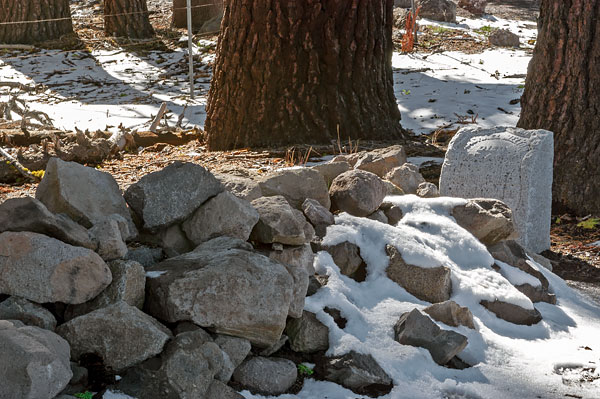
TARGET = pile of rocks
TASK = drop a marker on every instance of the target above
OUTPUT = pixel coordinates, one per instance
(189, 285)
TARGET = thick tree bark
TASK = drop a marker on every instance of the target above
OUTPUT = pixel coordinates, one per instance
(562, 94)
(301, 71)
(34, 10)
(127, 18)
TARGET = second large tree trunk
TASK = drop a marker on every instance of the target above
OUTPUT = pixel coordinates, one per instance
(34, 10)
(127, 18)
(562, 94)
(302, 71)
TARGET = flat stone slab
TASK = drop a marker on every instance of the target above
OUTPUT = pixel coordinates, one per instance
(510, 164)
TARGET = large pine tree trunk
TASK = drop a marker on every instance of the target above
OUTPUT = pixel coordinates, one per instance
(34, 10)
(127, 18)
(562, 94)
(300, 71)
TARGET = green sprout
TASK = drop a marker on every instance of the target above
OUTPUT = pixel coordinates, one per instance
(590, 223)
(405, 92)
(84, 395)
(304, 369)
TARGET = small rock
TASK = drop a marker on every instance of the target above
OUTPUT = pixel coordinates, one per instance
(173, 241)
(357, 192)
(504, 38)
(268, 376)
(489, 220)
(242, 187)
(437, 10)
(315, 283)
(350, 158)
(392, 189)
(331, 170)
(222, 215)
(107, 236)
(307, 334)
(318, 216)
(407, 177)
(392, 212)
(356, 371)
(415, 329)
(278, 222)
(382, 160)
(378, 216)
(336, 314)
(296, 185)
(513, 313)
(475, 7)
(235, 351)
(428, 284)
(427, 190)
(32, 314)
(218, 390)
(346, 256)
(451, 313)
(145, 256)
(537, 294)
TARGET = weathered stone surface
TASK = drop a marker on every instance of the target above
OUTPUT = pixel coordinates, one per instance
(307, 334)
(331, 170)
(513, 313)
(269, 376)
(278, 222)
(346, 256)
(107, 236)
(489, 220)
(235, 351)
(233, 291)
(43, 269)
(224, 243)
(382, 160)
(428, 284)
(296, 185)
(438, 10)
(128, 282)
(317, 215)
(315, 283)
(357, 192)
(537, 294)
(32, 314)
(84, 194)
(34, 363)
(504, 38)
(392, 212)
(415, 329)
(475, 7)
(242, 187)
(218, 390)
(451, 313)
(407, 177)
(350, 158)
(223, 215)
(378, 216)
(392, 189)
(356, 371)
(29, 214)
(121, 334)
(145, 256)
(427, 190)
(275, 347)
(173, 241)
(510, 164)
(170, 195)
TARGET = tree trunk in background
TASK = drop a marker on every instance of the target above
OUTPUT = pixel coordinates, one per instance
(33, 10)
(300, 71)
(127, 18)
(562, 94)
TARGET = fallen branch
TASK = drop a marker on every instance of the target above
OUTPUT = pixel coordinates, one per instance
(17, 165)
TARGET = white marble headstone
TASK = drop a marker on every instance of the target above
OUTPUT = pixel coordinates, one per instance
(510, 164)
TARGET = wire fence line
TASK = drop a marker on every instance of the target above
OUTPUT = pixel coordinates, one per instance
(39, 21)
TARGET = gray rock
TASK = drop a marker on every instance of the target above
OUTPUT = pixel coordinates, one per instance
(415, 329)
(489, 220)
(356, 371)
(32, 314)
(241, 187)
(275, 347)
(269, 376)
(145, 256)
(428, 284)
(224, 243)
(537, 294)
(392, 189)
(427, 190)
(346, 256)
(121, 334)
(512, 253)
(407, 177)
(382, 160)
(43, 269)
(357, 192)
(350, 158)
(300, 275)
(29, 214)
(296, 185)
(173, 241)
(128, 282)
(317, 215)
(235, 351)
(378, 216)
(34, 363)
(451, 313)
(504, 38)
(513, 313)
(315, 283)
(218, 390)
(437, 10)
(475, 7)
(208, 286)
(510, 164)
(84, 194)
(298, 256)
(392, 212)
(222, 215)
(307, 334)
(331, 170)
(172, 194)
(80, 375)
(278, 222)
(107, 236)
